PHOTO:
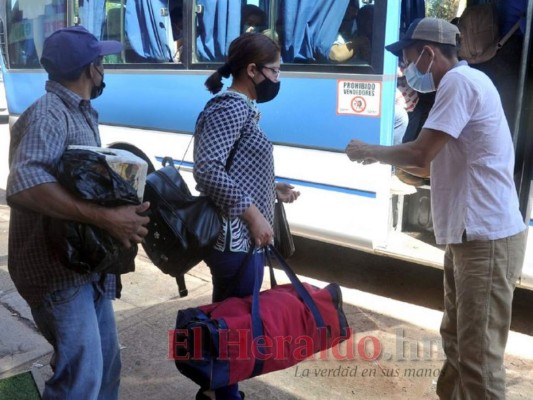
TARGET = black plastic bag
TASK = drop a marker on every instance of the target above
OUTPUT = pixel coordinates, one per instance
(88, 175)
(86, 248)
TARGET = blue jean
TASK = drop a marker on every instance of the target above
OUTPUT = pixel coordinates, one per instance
(79, 323)
(224, 268)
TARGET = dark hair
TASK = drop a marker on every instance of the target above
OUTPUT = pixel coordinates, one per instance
(250, 10)
(246, 49)
(448, 50)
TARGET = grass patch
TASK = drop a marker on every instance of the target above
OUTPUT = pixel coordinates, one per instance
(19, 387)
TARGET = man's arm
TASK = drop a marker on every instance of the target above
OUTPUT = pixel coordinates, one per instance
(414, 157)
(123, 223)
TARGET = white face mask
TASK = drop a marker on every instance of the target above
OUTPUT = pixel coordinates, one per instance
(420, 82)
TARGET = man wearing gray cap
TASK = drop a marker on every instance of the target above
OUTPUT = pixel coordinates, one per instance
(466, 145)
(73, 311)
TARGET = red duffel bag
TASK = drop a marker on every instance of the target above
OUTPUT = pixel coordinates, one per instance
(223, 343)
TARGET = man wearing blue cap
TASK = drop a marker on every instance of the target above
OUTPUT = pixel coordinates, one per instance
(466, 145)
(73, 311)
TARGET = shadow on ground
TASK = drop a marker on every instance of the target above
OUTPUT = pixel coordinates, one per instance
(389, 277)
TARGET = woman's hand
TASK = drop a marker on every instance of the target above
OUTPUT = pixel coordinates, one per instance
(260, 229)
(285, 192)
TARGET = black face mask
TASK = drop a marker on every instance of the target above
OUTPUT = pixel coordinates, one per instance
(96, 91)
(266, 90)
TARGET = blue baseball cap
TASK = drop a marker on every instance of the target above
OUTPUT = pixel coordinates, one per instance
(429, 29)
(67, 50)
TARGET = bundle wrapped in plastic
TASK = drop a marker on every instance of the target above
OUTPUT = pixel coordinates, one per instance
(128, 166)
(106, 177)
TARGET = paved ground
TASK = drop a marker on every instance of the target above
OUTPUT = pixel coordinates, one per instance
(405, 333)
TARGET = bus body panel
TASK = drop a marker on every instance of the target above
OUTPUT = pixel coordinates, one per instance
(171, 100)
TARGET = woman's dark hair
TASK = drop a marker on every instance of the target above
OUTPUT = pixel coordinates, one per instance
(246, 49)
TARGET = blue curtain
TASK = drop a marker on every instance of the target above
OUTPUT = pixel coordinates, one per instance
(218, 24)
(146, 30)
(309, 28)
(92, 14)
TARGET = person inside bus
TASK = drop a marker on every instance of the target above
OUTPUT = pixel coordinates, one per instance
(176, 19)
(466, 144)
(354, 42)
(73, 311)
(504, 67)
(342, 48)
(253, 19)
(244, 190)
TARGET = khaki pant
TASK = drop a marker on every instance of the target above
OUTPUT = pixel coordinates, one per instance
(479, 280)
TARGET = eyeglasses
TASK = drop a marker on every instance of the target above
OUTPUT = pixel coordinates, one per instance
(277, 72)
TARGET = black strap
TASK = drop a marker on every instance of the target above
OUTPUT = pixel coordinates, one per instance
(182, 287)
(232, 152)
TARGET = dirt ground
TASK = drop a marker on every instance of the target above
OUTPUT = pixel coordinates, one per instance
(403, 316)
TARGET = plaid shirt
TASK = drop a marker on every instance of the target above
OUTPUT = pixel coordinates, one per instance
(230, 121)
(58, 119)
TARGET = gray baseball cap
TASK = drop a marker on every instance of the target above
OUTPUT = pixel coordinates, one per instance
(430, 29)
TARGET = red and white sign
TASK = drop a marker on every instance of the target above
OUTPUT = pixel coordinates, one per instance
(359, 98)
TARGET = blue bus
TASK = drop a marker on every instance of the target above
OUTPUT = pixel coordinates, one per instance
(338, 83)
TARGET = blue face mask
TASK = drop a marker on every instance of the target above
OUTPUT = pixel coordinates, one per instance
(420, 82)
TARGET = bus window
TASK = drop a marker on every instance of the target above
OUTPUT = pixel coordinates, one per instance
(307, 30)
(217, 24)
(114, 30)
(354, 40)
(176, 20)
(30, 22)
(144, 27)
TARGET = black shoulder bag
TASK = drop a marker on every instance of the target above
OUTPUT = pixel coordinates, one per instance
(182, 227)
